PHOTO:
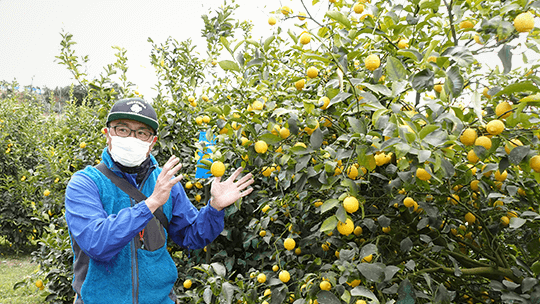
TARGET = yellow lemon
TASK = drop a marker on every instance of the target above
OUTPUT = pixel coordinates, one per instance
(350, 204)
(495, 127)
(534, 163)
(284, 276)
(82, 145)
(272, 20)
(368, 258)
(408, 202)
(403, 44)
(261, 147)
(261, 278)
(358, 8)
(199, 120)
(46, 193)
(466, 24)
(189, 185)
(299, 85)
(503, 110)
(372, 62)
(438, 88)
(39, 284)
(284, 133)
(289, 244)
(386, 229)
(505, 220)
(352, 172)
(358, 231)
(474, 185)
(485, 93)
(524, 22)
(468, 137)
(422, 174)
(470, 218)
(471, 157)
(312, 72)
(302, 16)
(511, 144)
(325, 101)
(325, 285)
(483, 141)
(217, 169)
(262, 233)
(501, 176)
(187, 284)
(345, 228)
(285, 10)
(305, 38)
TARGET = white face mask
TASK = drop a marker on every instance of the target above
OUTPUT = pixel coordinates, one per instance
(129, 151)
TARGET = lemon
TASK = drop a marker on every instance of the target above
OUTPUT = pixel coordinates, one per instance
(495, 127)
(524, 22)
(358, 8)
(272, 20)
(305, 38)
(284, 133)
(474, 185)
(485, 93)
(352, 172)
(368, 258)
(403, 44)
(217, 169)
(39, 284)
(257, 105)
(46, 193)
(198, 197)
(422, 174)
(350, 204)
(386, 229)
(82, 145)
(285, 10)
(261, 278)
(275, 268)
(284, 276)
(262, 233)
(345, 228)
(189, 185)
(408, 202)
(325, 101)
(302, 16)
(534, 163)
(206, 119)
(501, 176)
(289, 244)
(199, 120)
(503, 110)
(372, 62)
(505, 220)
(187, 284)
(483, 141)
(511, 144)
(471, 157)
(299, 85)
(466, 24)
(261, 147)
(325, 285)
(312, 72)
(432, 59)
(468, 137)
(438, 88)
(470, 218)
(477, 39)
(358, 231)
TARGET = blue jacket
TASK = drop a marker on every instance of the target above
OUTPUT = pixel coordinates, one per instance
(104, 224)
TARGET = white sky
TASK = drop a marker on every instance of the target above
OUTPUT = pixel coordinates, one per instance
(30, 34)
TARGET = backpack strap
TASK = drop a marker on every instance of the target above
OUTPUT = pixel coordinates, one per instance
(130, 190)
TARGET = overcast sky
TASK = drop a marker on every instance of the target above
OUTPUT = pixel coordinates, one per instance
(30, 33)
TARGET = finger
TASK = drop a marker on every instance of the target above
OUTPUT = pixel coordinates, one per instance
(235, 174)
(247, 192)
(245, 178)
(244, 185)
(173, 160)
(177, 179)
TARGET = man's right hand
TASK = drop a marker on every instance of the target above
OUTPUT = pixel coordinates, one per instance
(165, 181)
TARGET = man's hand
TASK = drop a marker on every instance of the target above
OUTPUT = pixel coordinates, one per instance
(165, 181)
(226, 193)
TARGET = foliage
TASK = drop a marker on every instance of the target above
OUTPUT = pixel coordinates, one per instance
(471, 234)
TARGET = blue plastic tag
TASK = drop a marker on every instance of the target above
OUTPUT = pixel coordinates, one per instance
(200, 172)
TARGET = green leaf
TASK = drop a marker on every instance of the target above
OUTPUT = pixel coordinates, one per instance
(226, 44)
(423, 80)
(518, 154)
(517, 222)
(229, 65)
(329, 224)
(329, 204)
(316, 139)
(395, 69)
(426, 130)
(526, 86)
(372, 272)
(267, 43)
(442, 296)
(339, 17)
(256, 61)
(361, 291)
(326, 297)
(454, 80)
(413, 54)
(270, 138)
(406, 293)
(505, 54)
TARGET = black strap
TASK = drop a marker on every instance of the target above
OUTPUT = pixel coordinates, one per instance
(130, 190)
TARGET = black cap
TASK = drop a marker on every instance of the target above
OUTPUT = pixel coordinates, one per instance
(134, 109)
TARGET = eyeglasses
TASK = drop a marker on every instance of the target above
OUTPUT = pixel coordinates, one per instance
(124, 131)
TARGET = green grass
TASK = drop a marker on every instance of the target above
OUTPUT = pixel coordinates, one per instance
(14, 269)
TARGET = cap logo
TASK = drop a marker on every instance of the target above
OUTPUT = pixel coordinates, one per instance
(136, 108)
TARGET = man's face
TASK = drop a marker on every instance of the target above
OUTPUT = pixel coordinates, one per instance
(134, 129)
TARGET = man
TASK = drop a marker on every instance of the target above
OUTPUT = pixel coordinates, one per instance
(120, 250)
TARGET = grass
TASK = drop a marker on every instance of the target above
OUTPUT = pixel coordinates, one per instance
(14, 269)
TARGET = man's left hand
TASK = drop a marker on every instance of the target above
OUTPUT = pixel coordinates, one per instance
(226, 193)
